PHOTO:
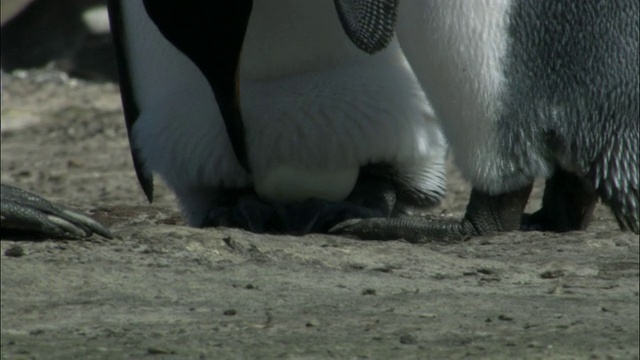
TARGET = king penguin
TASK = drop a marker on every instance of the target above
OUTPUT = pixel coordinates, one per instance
(277, 108)
(528, 89)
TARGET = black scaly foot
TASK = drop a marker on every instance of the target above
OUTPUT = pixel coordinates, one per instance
(567, 204)
(486, 214)
(23, 212)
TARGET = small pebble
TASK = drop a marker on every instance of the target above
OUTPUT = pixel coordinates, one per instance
(14, 251)
(552, 274)
(159, 351)
(369, 292)
(407, 339)
(75, 163)
(485, 271)
(312, 323)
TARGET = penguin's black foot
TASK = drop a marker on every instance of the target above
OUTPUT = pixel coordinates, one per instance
(311, 216)
(486, 214)
(567, 204)
(372, 196)
(248, 213)
(24, 213)
(318, 216)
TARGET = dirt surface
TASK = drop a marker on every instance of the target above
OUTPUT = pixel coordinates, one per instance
(163, 290)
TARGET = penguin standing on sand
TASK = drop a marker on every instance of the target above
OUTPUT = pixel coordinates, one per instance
(526, 89)
(269, 116)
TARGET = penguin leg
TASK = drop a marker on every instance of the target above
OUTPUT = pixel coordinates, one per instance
(25, 213)
(567, 204)
(253, 214)
(240, 208)
(486, 214)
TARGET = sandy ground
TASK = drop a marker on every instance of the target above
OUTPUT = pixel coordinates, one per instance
(164, 290)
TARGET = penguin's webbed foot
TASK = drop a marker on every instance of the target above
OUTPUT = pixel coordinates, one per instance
(486, 214)
(24, 213)
(310, 216)
(567, 204)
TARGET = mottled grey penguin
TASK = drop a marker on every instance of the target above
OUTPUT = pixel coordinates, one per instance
(526, 89)
(270, 116)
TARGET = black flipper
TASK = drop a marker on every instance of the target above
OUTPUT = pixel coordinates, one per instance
(370, 24)
(26, 212)
(211, 34)
(129, 106)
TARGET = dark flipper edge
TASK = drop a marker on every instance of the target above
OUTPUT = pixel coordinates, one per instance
(131, 111)
(370, 24)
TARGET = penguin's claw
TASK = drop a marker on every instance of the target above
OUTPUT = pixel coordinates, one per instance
(26, 213)
(411, 229)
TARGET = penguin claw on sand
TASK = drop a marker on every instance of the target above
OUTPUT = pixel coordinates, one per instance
(527, 89)
(24, 213)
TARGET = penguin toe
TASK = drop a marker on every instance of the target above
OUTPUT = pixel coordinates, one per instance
(415, 230)
(25, 214)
